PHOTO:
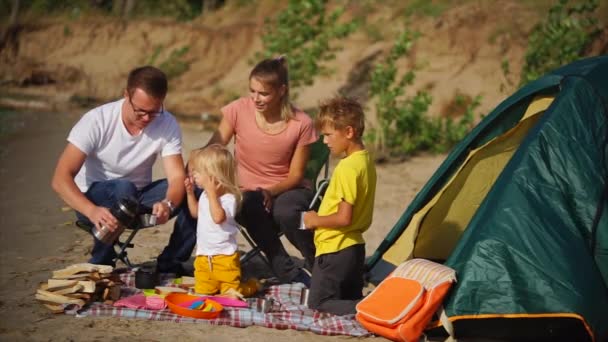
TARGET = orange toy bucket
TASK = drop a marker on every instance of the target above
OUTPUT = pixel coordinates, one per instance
(175, 299)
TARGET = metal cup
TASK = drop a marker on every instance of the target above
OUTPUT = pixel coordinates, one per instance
(304, 297)
(302, 226)
(147, 220)
(261, 305)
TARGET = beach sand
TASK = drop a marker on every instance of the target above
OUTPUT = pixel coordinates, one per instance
(37, 237)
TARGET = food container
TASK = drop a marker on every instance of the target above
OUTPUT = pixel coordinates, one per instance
(174, 300)
(146, 278)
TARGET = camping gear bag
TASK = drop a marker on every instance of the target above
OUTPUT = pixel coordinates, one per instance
(404, 303)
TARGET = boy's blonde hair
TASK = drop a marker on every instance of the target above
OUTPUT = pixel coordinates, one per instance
(340, 112)
(216, 161)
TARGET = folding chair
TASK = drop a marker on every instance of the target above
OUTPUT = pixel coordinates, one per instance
(121, 246)
(319, 160)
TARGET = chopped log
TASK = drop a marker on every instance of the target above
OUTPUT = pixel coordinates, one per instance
(66, 290)
(55, 284)
(55, 308)
(77, 276)
(80, 268)
(114, 293)
(84, 296)
(111, 293)
(56, 298)
(88, 286)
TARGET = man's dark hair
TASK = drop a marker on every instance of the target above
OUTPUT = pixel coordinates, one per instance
(149, 79)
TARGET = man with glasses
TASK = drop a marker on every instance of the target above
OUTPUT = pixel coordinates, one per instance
(110, 154)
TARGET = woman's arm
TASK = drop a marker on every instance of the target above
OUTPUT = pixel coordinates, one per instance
(297, 167)
(223, 134)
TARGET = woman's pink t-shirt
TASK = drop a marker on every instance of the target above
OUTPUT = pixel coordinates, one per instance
(263, 159)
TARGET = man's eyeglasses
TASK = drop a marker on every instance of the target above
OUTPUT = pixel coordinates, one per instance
(140, 113)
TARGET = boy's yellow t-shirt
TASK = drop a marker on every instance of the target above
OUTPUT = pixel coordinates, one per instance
(354, 181)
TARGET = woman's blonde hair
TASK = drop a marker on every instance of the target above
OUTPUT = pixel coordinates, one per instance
(216, 161)
(273, 72)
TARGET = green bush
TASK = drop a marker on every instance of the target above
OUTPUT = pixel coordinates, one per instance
(304, 32)
(404, 126)
(560, 38)
(174, 65)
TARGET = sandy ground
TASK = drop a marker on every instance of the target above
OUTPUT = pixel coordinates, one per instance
(37, 237)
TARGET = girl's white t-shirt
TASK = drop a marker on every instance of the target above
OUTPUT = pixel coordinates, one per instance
(113, 153)
(213, 238)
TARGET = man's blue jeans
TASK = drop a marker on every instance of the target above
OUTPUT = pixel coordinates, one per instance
(107, 193)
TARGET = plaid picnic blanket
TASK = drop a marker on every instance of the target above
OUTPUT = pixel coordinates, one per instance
(286, 313)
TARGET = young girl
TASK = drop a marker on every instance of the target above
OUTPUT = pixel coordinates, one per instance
(217, 267)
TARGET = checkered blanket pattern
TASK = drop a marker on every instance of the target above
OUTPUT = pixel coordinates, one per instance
(286, 313)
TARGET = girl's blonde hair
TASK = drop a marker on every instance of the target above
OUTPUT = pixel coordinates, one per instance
(216, 161)
(273, 72)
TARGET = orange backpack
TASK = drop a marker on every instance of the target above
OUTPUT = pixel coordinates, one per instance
(402, 305)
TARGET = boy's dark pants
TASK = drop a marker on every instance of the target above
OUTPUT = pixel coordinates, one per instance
(337, 281)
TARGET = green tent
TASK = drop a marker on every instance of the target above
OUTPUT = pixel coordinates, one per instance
(518, 209)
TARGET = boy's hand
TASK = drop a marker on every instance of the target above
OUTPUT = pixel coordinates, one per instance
(310, 219)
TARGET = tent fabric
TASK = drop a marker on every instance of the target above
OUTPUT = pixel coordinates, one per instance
(532, 260)
(435, 229)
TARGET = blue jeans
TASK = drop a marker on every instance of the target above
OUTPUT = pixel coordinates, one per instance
(182, 240)
(107, 193)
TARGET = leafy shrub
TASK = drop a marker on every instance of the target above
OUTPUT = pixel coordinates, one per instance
(560, 38)
(403, 124)
(303, 32)
(174, 65)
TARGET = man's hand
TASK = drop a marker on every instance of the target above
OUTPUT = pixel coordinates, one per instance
(162, 212)
(101, 216)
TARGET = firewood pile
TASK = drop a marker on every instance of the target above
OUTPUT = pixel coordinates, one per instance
(79, 284)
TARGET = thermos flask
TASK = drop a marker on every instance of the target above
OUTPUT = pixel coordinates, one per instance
(125, 212)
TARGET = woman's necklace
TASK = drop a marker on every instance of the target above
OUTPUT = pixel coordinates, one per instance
(270, 127)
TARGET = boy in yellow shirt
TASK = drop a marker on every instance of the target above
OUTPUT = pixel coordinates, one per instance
(345, 212)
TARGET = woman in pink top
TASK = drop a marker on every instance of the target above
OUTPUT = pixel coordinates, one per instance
(272, 140)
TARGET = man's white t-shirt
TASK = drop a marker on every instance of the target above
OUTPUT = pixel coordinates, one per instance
(213, 238)
(113, 153)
